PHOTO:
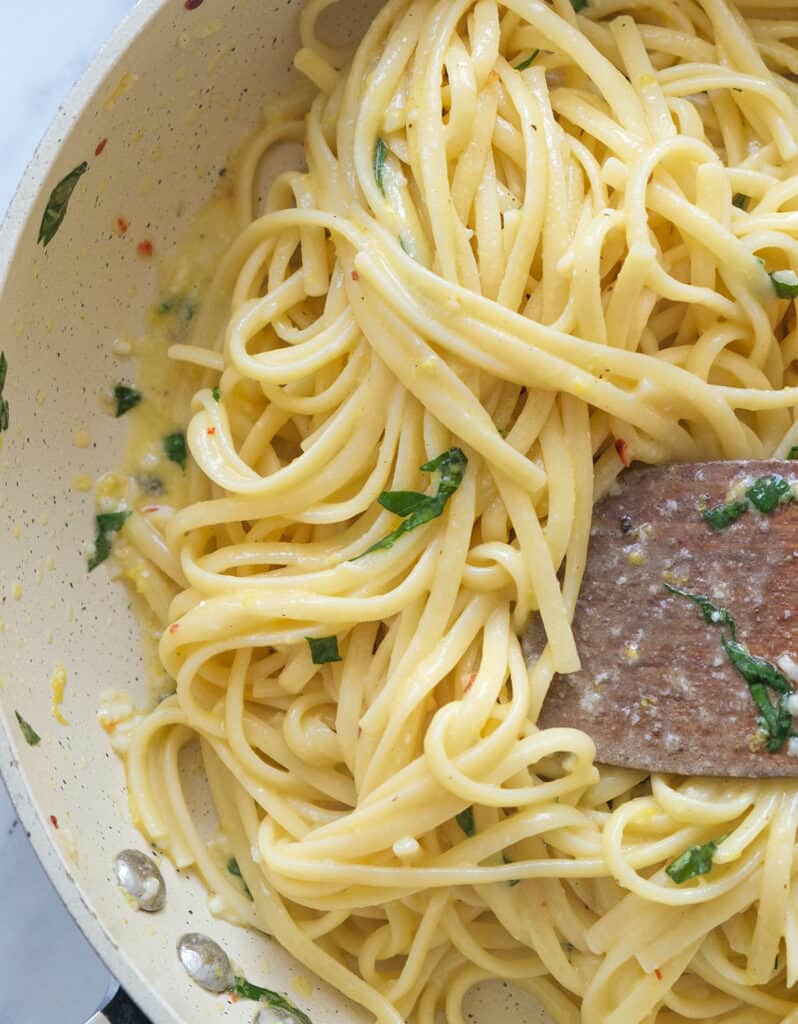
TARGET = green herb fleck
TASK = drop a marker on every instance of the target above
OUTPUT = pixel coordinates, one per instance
(696, 860)
(5, 418)
(32, 738)
(216, 394)
(175, 447)
(509, 860)
(57, 205)
(721, 516)
(762, 676)
(380, 156)
(235, 871)
(740, 200)
(578, 5)
(465, 819)
(126, 399)
(713, 615)
(785, 283)
(247, 990)
(323, 650)
(766, 493)
(793, 452)
(107, 523)
(416, 508)
(181, 305)
(527, 61)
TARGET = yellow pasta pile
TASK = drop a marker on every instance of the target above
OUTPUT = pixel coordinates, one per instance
(522, 233)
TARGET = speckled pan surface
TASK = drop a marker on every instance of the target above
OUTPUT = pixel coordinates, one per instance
(154, 119)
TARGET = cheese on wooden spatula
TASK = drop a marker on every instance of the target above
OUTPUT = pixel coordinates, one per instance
(687, 623)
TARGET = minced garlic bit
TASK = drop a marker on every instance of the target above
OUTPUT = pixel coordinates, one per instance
(406, 847)
(127, 81)
(631, 652)
(16, 590)
(118, 716)
(121, 347)
(792, 746)
(303, 985)
(82, 482)
(81, 438)
(635, 555)
(111, 490)
(789, 666)
(57, 687)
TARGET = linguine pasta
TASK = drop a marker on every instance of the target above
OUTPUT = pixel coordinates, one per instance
(523, 233)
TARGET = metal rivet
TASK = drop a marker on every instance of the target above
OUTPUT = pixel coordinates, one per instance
(141, 879)
(206, 962)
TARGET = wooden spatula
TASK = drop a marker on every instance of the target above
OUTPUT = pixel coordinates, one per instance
(666, 685)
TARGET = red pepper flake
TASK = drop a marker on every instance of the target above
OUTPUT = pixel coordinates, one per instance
(355, 275)
(100, 146)
(152, 508)
(470, 683)
(192, 5)
(54, 821)
(122, 225)
(211, 431)
(621, 447)
(174, 627)
(144, 249)
(658, 973)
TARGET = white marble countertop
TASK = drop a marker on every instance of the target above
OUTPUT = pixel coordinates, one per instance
(44, 47)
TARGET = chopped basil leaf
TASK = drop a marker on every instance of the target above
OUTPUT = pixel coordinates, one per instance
(713, 615)
(793, 452)
(578, 5)
(247, 990)
(216, 394)
(380, 155)
(57, 205)
(175, 447)
(721, 516)
(32, 738)
(126, 399)
(769, 491)
(775, 720)
(107, 522)
(525, 63)
(235, 871)
(465, 819)
(740, 200)
(323, 650)
(696, 860)
(417, 509)
(4, 413)
(785, 282)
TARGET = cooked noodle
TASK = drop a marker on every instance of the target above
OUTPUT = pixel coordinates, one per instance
(525, 260)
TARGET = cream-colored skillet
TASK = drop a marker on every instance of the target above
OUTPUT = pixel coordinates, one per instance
(153, 119)
(135, 151)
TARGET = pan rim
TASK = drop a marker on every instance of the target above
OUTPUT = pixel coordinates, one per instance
(68, 889)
